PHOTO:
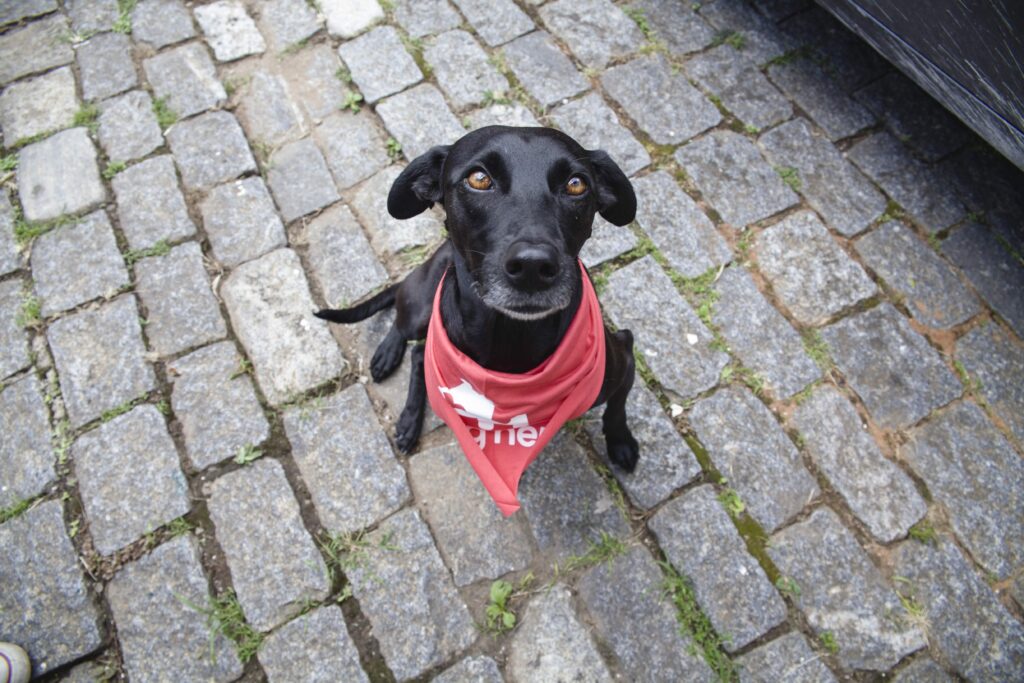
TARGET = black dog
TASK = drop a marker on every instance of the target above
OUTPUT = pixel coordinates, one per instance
(519, 205)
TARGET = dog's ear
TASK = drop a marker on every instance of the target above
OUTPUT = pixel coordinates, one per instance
(419, 185)
(616, 201)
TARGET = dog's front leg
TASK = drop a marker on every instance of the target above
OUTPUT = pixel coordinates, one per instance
(410, 423)
(623, 449)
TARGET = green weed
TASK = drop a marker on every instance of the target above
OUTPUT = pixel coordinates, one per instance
(165, 116)
(790, 176)
(161, 248)
(8, 162)
(13, 510)
(87, 116)
(817, 349)
(247, 454)
(695, 624)
(787, 585)
(828, 641)
(731, 501)
(499, 616)
(113, 168)
(604, 550)
(224, 617)
(923, 532)
(29, 313)
(394, 149)
(123, 24)
(351, 102)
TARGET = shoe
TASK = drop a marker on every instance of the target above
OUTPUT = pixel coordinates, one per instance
(14, 664)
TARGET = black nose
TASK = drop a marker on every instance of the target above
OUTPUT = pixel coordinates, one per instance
(531, 266)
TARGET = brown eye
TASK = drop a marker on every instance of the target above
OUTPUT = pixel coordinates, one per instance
(575, 186)
(479, 180)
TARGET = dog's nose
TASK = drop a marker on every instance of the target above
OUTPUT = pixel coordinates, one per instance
(531, 265)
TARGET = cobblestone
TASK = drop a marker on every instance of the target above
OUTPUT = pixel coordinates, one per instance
(300, 180)
(46, 606)
(848, 60)
(547, 74)
(928, 286)
(419, 119)
(700, 540)
(229, 30)
(679, 26)
(10, 258)
(352, 146)
(36, 47)
(13, 340)
(743, 89)
(923, 670)
(351, 473)
(38, 105)
(100, 359)
(105, 65)
(788, 658)
(477, 669)
(313, 79)
(379, 64)
(462, 69)
(59, 175)
(340, 258)
(996, 275)
(268, 113)
(891, 367)
(241, 221)
(15, 10)
(842, 593)
(210, 149)
(423, 17)
(150, 205)
(996, 362)
(595, 30)
(749, 449)
(881, 495)
(496, 21)
(128, 128)
(347, 18)
(186, 79)
(314, 647)
(287, 23)
(606, 242)
(25, 453)
(274, 563)
(821, 97)
(386, 233)
(809, 271)
(502, 115)
(162, 22)
(593, 124)
(154, 602)
(761, 40)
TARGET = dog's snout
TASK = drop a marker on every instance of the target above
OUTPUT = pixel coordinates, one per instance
(530, 265)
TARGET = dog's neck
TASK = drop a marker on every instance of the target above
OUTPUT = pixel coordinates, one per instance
(492, 339)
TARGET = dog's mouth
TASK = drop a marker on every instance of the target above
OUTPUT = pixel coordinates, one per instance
(497, 293)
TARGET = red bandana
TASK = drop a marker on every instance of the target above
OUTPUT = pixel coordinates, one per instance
(503, 420)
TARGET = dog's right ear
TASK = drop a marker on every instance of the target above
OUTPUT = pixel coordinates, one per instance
(419, 185)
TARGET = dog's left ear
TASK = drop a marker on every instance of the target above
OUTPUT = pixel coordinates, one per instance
(616, 201)
(419, 185)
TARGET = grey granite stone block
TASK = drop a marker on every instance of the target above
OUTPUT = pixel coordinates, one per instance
(756, 332)
(100, 359)
(788, 659)
(275, 566)
(734, 177)
(677, 25)
(844, 55)
(181, 310)
(824, 101)
(761, 39)
(928, 286)
(553, 645)
(406, 593)
(995, 361)
(477, 669)
(566, 503)
(843, 196)
(595, 30)
(59, 175)
(26, 456)
(593, 124)
(38, 46)
(210, 149)
(680, 230)
(10, 257)
(346, 461)
(267, 111)
(923, 670)
(892, 368)
(379, 64)
(666, 463)
(128, 128)
(105, 65)
(967, 624)
(229, 30)
(921, 190)
(842, 592)
(129, 478)
(627, 603)
(300, 180)
(287, 23)
(89, 16)
(161, 22)
(314, 80)
(496, 21)
(423, 17)
(38, 105)
(16, 10)
(513, 114)
(150, 205)
(661, 102)
(810, 273)
(542, 69)
(241, 221)
(755, 456)
(271, 312)
(672, 339)
(606, 242)
(154, 602)
(353, 147)
(739, 84)
(77, 263)
(13, 340)
(186, 79)
(46, 606)
(993, 271)
(881, 495)
(488, 548)
(700, 540)
(973, 472)
(340, 258)
(215, 404)
(346, 18)
(419, 119)
(313, 647)
(462, 69)
(386, 233)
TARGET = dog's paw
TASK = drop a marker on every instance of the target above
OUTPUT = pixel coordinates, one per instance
(387, 358)
(407, 431)
(624, 453)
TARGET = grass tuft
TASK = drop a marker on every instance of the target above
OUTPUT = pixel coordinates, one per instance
(695, 624)
(224, 617)
(165, 116)
(790, 176)
(13, 510)
(161, 248)
(113, 168)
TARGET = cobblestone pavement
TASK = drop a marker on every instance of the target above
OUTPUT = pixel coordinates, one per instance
(199, 480)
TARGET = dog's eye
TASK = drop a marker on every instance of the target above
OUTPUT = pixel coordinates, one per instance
(575, 186)
(479, 180)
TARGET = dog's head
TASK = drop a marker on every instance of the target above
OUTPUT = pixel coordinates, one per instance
(519, 204)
